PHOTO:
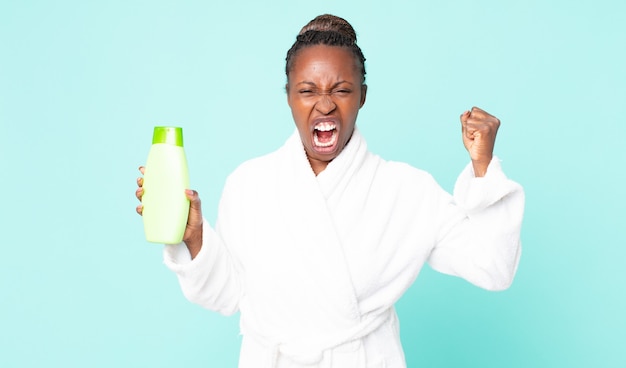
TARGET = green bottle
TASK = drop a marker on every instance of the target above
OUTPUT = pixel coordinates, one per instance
(165, 206)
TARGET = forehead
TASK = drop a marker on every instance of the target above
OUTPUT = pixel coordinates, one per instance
(321, 61)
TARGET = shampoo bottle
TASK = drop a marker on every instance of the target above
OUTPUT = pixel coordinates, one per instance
(166, 176)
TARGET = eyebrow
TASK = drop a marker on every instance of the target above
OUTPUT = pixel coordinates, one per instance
(314, 85)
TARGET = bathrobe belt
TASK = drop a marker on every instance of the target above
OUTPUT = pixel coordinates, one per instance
(312, 349)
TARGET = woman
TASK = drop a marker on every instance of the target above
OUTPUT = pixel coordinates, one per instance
(315, 242)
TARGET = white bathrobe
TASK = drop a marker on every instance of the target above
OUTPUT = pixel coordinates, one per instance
(315, 264)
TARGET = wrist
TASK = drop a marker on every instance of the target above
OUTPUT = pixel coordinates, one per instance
(480, 167)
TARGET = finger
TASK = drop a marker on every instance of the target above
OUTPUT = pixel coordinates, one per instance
(487, 125)
(470, 128)
(139, 209)
(190, 194)
(195, 210)
(140, 182)
(478, 113)
(194, 199)
(464, 116)
(470, 134)
(142, 170)
(139, 193)
(476, 135)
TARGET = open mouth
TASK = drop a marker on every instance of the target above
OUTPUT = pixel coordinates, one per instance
(325, 135)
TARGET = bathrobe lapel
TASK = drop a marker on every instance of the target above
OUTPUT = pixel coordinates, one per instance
(315, 228)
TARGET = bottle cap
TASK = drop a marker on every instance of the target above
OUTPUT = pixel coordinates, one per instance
(168, 135)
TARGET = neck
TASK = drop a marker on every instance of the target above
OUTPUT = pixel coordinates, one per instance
(317, 165)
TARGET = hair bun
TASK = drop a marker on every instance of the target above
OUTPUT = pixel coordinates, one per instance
(329, 22)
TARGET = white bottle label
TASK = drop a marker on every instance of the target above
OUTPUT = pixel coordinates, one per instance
(165, 206)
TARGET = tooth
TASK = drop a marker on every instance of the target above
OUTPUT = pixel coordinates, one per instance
(325, 126)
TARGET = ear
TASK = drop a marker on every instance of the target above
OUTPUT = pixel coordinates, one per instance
(363, 94)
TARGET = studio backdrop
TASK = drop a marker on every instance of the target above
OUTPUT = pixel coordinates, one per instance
(82, 84)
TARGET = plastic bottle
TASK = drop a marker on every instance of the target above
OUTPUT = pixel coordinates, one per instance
(166, 176)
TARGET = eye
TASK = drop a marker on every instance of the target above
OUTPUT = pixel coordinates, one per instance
(305, 92)
(342, 91)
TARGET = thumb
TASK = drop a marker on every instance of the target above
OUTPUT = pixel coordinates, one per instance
(195, 207)
(193, 198)
(464, 116)
(467, 132)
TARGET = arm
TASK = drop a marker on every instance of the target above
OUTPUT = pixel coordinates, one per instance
(479, 233)
(210, 278)
(204, 267)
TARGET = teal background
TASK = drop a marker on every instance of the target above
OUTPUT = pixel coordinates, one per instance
(83, 83)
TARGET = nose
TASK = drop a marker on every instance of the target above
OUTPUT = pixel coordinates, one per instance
(325, 104)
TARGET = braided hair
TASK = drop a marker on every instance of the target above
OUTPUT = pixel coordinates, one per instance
(328, 30)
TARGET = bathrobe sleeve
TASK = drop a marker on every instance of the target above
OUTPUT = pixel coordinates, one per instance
(212, 279)
(478, 236)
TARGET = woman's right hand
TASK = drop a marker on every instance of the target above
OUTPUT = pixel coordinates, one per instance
(193, 230)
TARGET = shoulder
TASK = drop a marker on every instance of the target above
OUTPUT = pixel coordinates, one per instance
(407, 188)
(405, 174)
(411, 184)
(254, 170)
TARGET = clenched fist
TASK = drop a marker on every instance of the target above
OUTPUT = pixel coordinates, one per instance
(479, 137)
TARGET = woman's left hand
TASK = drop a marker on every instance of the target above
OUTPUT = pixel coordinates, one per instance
(479, 137)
